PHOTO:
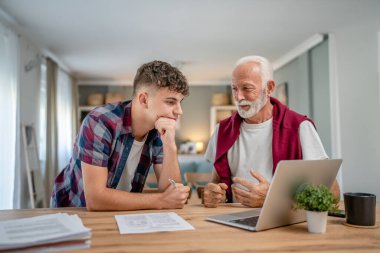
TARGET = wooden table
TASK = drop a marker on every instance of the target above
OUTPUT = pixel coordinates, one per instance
(212, 237)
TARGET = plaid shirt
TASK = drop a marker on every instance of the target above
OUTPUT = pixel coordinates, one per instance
(105, 139)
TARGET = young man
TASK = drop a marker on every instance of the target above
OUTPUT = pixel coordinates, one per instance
(118, 142)
(246, 147)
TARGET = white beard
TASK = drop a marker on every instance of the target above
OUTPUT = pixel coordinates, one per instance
(255, 107)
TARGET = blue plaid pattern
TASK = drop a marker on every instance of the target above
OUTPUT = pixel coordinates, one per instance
(105, 139)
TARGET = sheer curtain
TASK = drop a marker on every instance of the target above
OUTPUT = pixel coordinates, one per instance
(42, 118)
(9, 64)
(65, 119)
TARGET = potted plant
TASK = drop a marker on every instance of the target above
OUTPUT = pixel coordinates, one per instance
(317, 201)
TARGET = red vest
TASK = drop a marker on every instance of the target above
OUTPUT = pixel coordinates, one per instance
(285, 142)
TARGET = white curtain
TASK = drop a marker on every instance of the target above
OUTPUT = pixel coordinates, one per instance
(64, 118)
(9, 90)
(42, 118)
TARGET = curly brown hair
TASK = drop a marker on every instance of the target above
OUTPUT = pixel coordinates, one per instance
(160, 74)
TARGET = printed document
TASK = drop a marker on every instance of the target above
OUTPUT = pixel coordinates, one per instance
(151, 222)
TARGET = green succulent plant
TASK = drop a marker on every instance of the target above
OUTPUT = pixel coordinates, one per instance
(316, 198)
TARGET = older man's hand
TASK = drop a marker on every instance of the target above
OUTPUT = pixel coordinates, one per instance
(255, 194)
(214, 194)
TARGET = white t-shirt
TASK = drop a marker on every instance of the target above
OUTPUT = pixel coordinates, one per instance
(133, 159)
(253, 149)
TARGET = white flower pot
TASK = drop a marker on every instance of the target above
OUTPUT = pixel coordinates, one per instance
(316, 221)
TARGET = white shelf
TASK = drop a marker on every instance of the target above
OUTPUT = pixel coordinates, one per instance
(86, 108)
(104, 83)
(107, 88)
(214, 111)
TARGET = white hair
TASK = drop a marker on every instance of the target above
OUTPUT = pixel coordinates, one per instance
(266, 68)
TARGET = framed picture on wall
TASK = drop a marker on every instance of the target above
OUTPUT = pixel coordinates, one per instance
(281, 93)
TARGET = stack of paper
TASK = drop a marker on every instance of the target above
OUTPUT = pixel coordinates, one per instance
(46, 233)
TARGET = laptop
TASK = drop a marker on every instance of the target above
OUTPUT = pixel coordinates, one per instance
(278, 208)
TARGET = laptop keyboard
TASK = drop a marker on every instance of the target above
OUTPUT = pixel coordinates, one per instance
(251, 221)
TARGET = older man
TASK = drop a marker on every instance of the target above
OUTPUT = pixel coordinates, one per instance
(246, 147)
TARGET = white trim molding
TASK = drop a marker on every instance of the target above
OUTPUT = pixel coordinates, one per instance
(336, 143)
(378, 66)
(298, 50)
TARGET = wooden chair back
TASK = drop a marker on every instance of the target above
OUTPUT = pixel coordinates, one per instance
(193, 180)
